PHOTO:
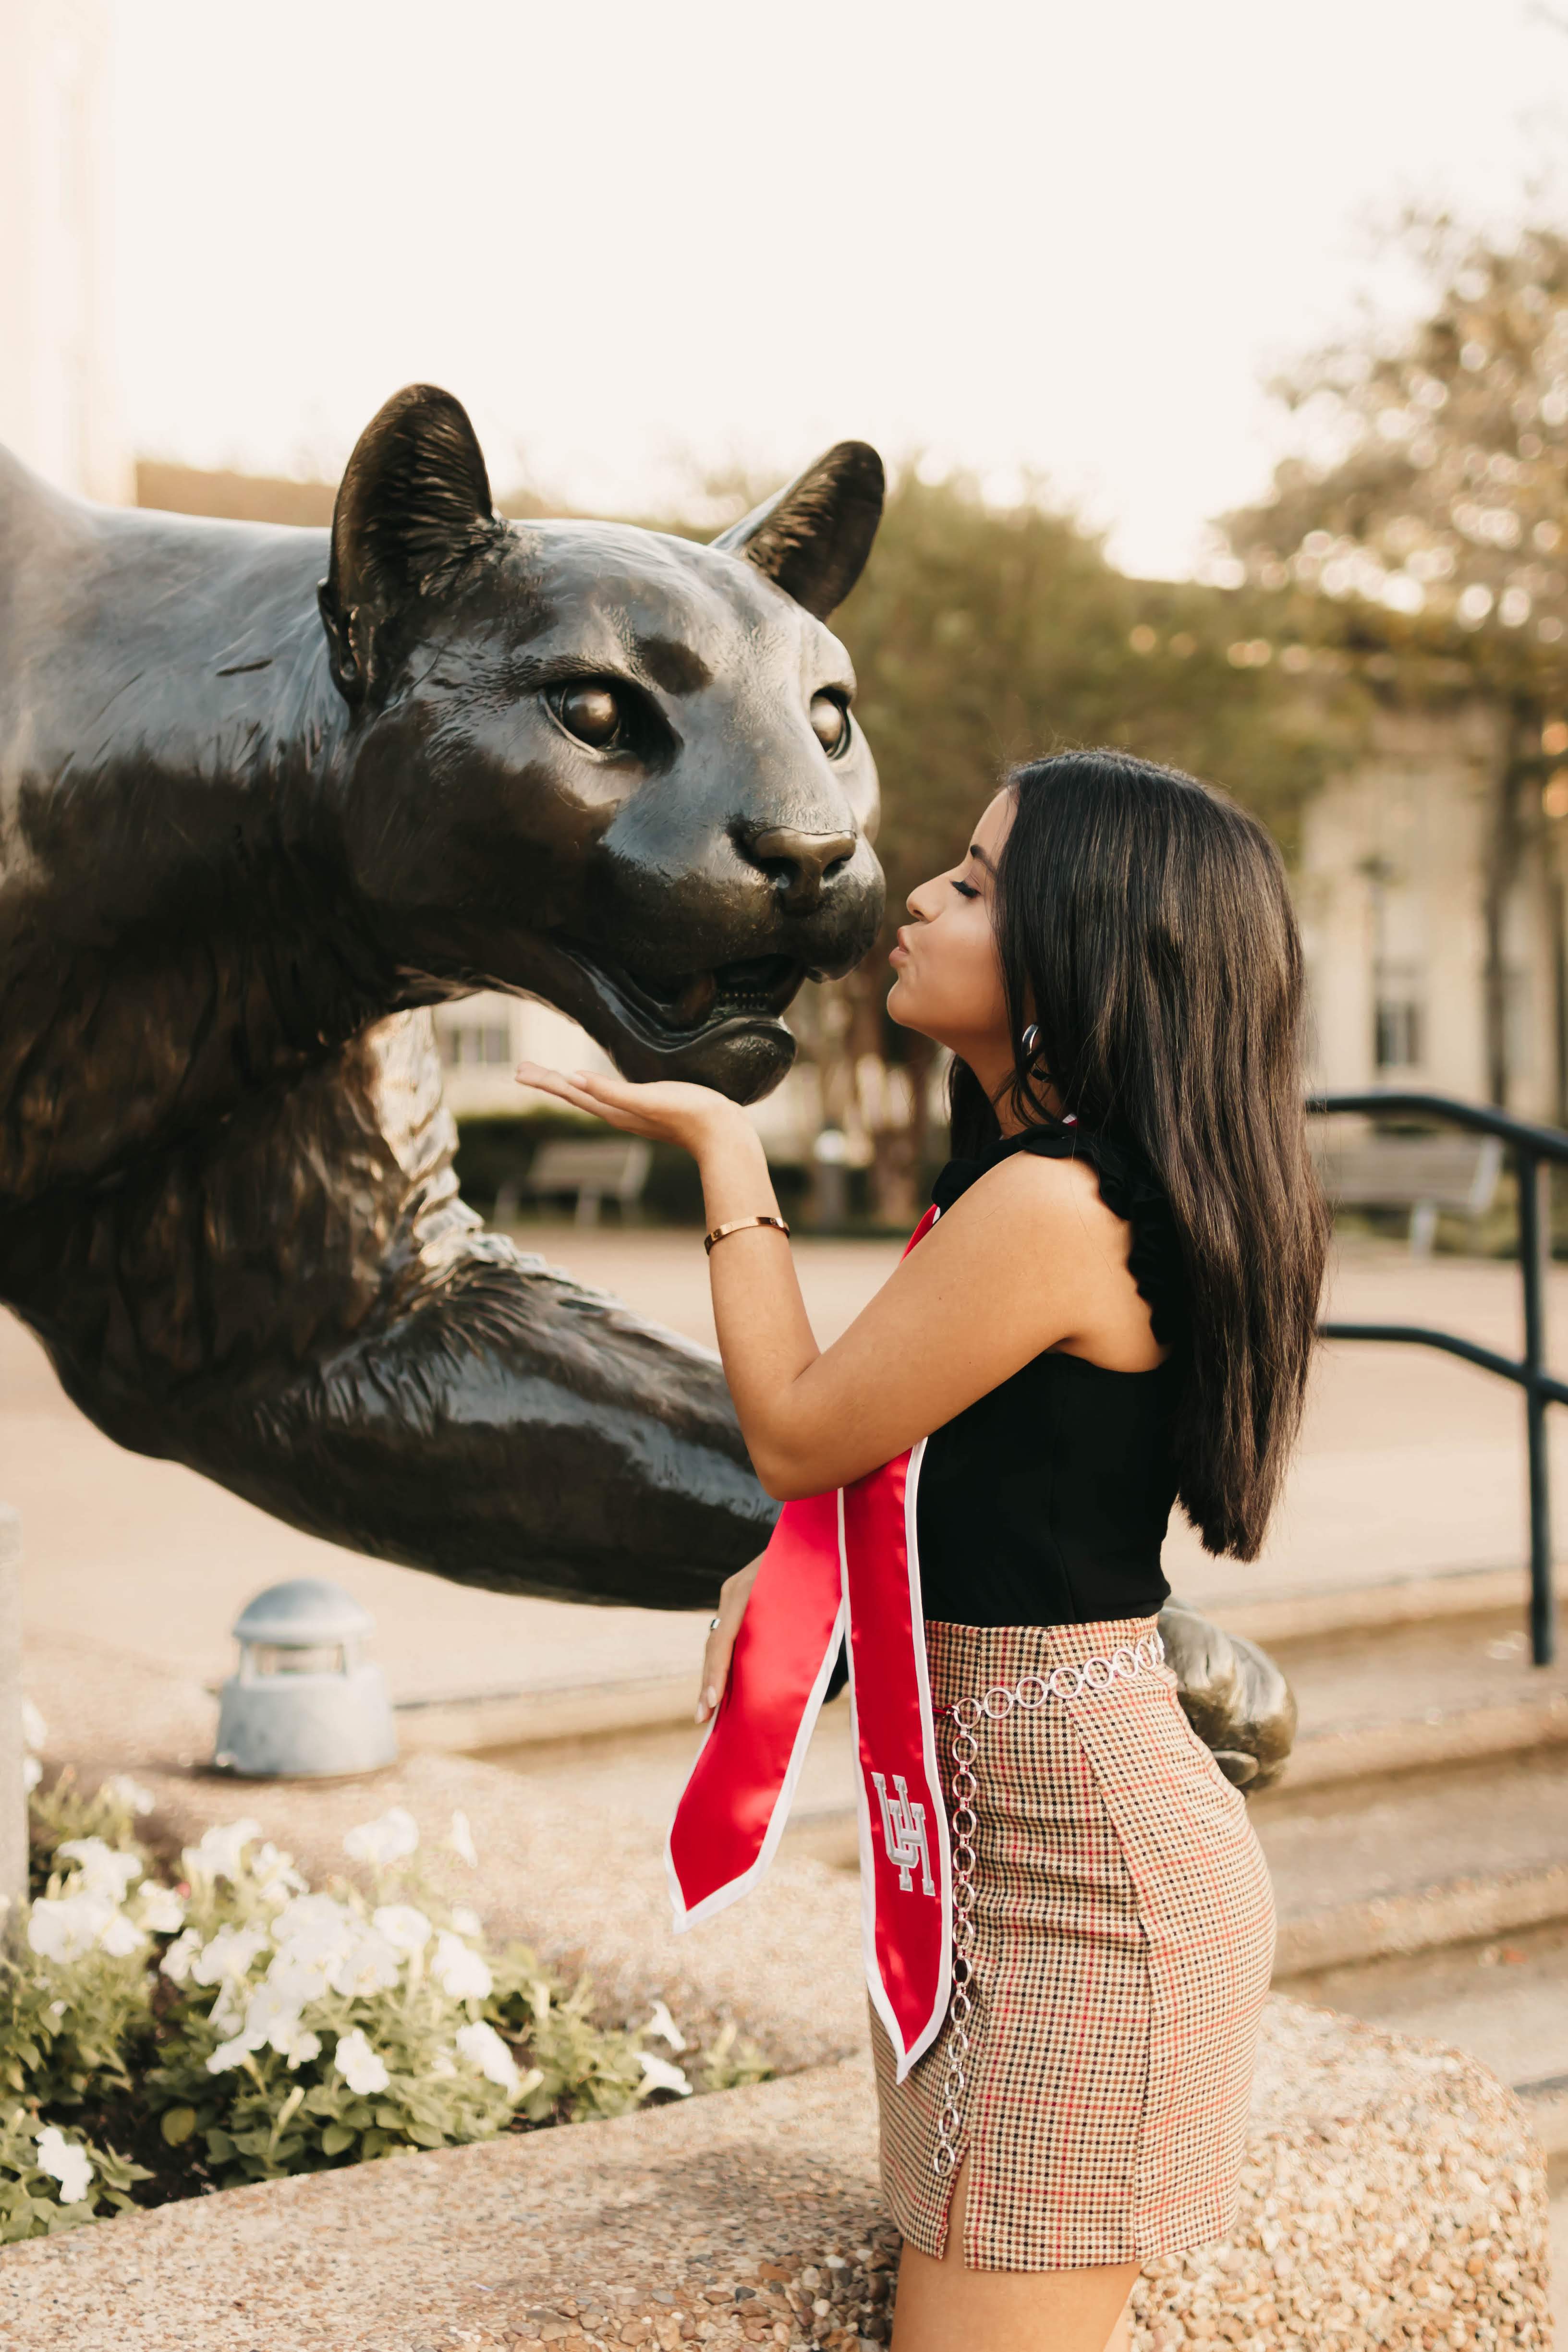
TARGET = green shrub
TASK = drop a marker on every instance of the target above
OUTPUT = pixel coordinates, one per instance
(233, 2024)
(48, 2182)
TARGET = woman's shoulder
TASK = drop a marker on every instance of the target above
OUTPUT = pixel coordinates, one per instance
(1085, 1163)
(1050, 1186)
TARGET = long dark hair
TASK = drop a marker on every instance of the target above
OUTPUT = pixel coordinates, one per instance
(1144, 927)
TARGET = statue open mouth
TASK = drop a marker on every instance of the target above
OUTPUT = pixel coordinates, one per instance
(673, 1009)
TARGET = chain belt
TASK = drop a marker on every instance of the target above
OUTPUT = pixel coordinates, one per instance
(967, 1715)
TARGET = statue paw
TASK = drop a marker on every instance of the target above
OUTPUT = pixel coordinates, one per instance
(1233, 1695)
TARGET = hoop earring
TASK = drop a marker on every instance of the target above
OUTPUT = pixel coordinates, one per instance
(1030, 1043)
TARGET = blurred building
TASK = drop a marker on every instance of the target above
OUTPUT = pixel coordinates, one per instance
(1391, 888)
(58, 405)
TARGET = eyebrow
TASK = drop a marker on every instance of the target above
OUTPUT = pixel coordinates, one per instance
(981, 859)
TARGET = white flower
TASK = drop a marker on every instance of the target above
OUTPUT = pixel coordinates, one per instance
(34, 1730)
(461, 1971)
(460, 1838)
(64, 1927)
(276, 1871)
(131, 1794)
(226, 2014)
(160, 1909)
(383, 1841)
(658, 2075)
(315, 1934)
(32, 1773)
(483, 2046)
(316, 1924)
(229, 2054)
(229, 1955)
(120, 1937)
(218, 1855)
(271, 2016)
(100, 1869)
(466, 1922)
(358, 2065)
(370, 1965)
(402, 1925)
(180, 1957)
(664, 2025)
(66, 2162)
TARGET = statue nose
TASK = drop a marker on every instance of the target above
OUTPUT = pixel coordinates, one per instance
(800, 863)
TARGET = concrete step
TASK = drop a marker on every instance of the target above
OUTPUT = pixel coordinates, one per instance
(1406, 1695)
(543, 1714)
(1416, 1859)
(1446, 1674)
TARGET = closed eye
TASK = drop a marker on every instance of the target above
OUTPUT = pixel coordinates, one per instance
(966, 890)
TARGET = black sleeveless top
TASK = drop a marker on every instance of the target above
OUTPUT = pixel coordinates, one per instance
(1046, 1502)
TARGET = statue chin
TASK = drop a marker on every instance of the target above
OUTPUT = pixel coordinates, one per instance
(721, 1026)
(743, 1060)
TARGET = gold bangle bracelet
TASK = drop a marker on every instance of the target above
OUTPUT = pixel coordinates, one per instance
(738, 1225)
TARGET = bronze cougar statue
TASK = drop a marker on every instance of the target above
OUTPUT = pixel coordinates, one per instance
(266, 795)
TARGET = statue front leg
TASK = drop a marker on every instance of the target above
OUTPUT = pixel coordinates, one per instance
(511, 1431)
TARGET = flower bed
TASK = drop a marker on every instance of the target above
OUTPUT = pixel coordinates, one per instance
(172, 2027)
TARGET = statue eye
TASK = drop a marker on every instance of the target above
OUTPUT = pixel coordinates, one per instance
(829, 723)
(592, 713)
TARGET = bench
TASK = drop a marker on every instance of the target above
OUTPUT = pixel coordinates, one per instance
(595, 1171)
(1423, 1173)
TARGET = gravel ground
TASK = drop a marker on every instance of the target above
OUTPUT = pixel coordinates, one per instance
(1392, 2196)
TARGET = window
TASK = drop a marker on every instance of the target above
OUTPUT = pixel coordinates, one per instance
(1398, 1043)
(1399, 1016)
(473, 1045)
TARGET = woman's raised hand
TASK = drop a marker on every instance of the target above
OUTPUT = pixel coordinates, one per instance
(733, 1595)
(671, 1111)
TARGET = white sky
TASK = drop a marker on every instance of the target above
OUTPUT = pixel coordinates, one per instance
(1067, 235)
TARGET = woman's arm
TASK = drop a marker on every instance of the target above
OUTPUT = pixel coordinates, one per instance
(1028, 1259)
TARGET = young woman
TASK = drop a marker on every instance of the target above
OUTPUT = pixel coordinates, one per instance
(1115, 1311)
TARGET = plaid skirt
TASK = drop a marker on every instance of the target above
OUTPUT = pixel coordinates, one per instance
(1123, 1940)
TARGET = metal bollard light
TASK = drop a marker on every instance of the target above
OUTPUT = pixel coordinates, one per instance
(304, 1704)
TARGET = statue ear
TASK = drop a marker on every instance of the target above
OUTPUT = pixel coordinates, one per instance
(812, 538)
(413, 503)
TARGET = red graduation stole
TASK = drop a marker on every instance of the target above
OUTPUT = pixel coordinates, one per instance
(842, 1561)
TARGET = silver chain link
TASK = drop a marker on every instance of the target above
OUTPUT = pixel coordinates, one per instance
(967, 1715)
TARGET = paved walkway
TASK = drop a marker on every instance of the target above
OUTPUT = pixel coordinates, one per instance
(1411, 1464)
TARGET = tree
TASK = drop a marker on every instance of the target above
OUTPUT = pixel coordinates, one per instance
(1433, 540)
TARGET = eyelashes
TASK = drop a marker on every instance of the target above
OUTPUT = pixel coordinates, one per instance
(966, 890)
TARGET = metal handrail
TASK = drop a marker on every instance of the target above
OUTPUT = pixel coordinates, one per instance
(1536, 1149)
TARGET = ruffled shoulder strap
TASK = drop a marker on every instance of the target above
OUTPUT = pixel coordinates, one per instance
(1131, 1191)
